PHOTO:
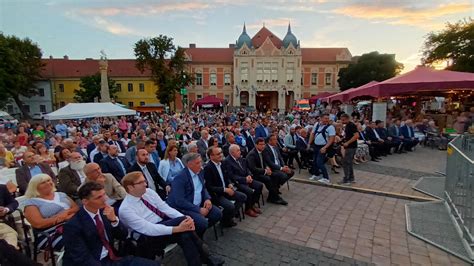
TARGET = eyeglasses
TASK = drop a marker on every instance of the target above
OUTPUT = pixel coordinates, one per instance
(139, 183)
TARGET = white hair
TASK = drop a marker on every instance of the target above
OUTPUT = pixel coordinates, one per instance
(32, 189)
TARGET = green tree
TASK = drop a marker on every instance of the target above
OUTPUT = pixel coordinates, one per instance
(166, 63)
(454, 44)
(368, 67)
(90, 89)
(20, 68)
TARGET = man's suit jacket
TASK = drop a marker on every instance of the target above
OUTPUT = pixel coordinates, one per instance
(161, 152)
(392, 132)
(69, 181)
(7, 200)
(120, 145)
(202, 148)
(109, 165)
(289, 141)
(383, 133)
(82, 242)
(250, 141)
(158, 180)
(90, 148)
(213, 180)
(260, 132)
(269, 158)
(370, 134)
(301, 144)
(23, 175)
(181, 196)
(404, 132)
(98, 157)
(237, 173)
(254, 164)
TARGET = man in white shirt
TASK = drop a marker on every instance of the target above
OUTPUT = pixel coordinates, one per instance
(145, 212)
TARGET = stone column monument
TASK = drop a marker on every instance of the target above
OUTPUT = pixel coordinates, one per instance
(104, 84)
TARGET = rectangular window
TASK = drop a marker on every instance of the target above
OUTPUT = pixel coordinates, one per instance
(290, 69)
(213, 79)
(267, 72)
(41, 92)
(199, 96)
(61, 87)
(119, 87)
(43, 108)
(130, 104)
(142, 103)
(227, 79)
(328, 78)
(62, 104)
(130, 87)
(244, 72)
(199, 79)
(142, 87)
(259, 72)
(274, 72)
(314, 78)
(302, 78)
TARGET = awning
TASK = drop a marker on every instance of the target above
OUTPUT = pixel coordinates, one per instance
(319, 96)
(344, 96)
(210, 101)
(88, 110)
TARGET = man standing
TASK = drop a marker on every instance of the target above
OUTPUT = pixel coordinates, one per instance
(154, 180)
(158, 224)
(202, 144)
(240, 174)
(189, 195)
(322, 137)
(114, 164)
(350, 146)
(88, 237)
(221, 189)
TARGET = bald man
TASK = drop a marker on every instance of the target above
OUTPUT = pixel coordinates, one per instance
(114, 191)
(30, 168)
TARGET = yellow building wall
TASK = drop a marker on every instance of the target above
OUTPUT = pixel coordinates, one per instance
(137, 97)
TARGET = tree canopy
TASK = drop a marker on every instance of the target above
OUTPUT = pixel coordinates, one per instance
(20, 68)
(454, 44)
(166, 64)
(368, 67)
(90, 89)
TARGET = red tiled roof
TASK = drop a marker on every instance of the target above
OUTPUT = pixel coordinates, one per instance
(66, 68)
(321, 54)
(211, 55)
(262, 35)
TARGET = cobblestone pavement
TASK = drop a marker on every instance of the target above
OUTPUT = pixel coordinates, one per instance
(239, 247)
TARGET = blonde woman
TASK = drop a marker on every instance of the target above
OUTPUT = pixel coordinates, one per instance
(46, 210)
(6, 157)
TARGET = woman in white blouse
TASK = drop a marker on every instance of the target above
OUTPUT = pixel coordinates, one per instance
(171, 165)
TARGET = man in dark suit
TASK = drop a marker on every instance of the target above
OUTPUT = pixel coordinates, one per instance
(153, 178)
(89, 236)
(93, 145)
(100, 152)
(383, 133)
(220, 187)
(114, 164)
(161, 144)
(408, 133)
(202, 144)
(302, 147)
(262, 130)
(189, 195)
(8, 204)
(115, 140)
(258, 165)
(240, 175)
(31, 168)
(72, 176)
(375, 141)
(150, 147)
(394, 133)
(281, 172)
(249, 134)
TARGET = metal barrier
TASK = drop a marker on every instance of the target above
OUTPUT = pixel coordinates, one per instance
(459, 186)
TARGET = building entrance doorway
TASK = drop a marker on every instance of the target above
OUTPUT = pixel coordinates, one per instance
(266, 100)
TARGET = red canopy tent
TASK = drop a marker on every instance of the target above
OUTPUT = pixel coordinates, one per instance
(315, 98)
(210, 101)
(344, 96)
(418, 80)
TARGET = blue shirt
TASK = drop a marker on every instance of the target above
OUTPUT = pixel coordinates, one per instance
(61, 129)
(35, 170)
(197, 188)
(175, 168)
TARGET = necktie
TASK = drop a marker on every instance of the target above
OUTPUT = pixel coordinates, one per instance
(154, 209)
(101, 231)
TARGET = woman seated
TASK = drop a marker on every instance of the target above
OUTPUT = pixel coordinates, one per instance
(171, 165)
(44, 155)
(362, 152)
(6, 157)
(63, 158)
(46, 210)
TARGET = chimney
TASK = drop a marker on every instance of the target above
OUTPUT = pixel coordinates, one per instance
(89, 58)
(50, 57)
(231, 45)
(66, 57)
(192, 45)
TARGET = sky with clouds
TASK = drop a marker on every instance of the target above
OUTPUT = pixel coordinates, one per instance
(82, 28)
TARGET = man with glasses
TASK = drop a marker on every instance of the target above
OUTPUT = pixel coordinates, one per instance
(220, 187)
(158, 224)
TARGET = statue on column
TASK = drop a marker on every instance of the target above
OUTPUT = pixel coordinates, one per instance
(104, 83)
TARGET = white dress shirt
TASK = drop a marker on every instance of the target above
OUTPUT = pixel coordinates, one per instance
(149, 178)
(221, 175)
(277, 160)
(104, 252)
(81, 175)
(138, 217)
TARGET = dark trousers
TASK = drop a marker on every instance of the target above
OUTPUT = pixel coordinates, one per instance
(10, 256)
(229, 208)
(149, 246)
(305, 157)
(130, 261)
(202, 223)
(319, 162)
(253, 192)
(408, 144)
(270, 184)
(293, 154)
(347, 164)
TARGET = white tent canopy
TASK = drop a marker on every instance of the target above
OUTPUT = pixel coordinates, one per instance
(87, 110)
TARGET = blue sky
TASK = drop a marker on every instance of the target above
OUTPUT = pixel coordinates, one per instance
(81, 28)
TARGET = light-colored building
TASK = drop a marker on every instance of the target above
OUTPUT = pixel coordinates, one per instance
(40, 103)
(264, 71)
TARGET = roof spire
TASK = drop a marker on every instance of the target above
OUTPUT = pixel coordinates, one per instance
(289, 27)
(245, 30)
(264, 24)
